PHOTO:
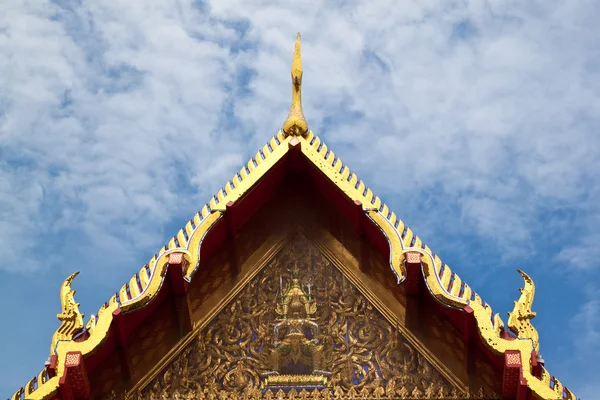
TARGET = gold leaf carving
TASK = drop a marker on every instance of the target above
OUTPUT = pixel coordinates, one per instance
(71, 320)
(365, 355)
(519, 320)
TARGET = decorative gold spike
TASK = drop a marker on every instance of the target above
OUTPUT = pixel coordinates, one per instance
(91, 325)
(296, 124)
(519, 320)
(71, 319)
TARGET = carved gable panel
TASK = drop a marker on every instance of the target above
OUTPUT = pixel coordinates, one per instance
(355, 347)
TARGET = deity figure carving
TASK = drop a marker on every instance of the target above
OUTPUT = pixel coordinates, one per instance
(296, 346)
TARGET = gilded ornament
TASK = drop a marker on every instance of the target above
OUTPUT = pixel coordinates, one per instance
(430, 391)
(71, 320)
(91, 325)
(416, 393)
(295, 124)
(403, 393)
(519, 320)
(441, 393)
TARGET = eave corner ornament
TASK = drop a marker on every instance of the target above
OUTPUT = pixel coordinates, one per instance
(296, 124)
(519, 320)
(70, 317)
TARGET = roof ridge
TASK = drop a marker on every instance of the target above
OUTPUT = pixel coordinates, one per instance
(145, 284)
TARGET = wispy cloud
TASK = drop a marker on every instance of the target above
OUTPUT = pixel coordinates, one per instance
(475, 120)
(587, 324)
(109, 114)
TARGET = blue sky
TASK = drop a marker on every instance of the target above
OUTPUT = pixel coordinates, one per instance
(476, 121)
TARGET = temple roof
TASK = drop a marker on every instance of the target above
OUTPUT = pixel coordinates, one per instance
(405, 251)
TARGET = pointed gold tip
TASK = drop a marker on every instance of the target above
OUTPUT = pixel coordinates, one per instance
(296, 124)
(297, 62)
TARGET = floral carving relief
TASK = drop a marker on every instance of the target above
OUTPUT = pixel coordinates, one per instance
(360, 349)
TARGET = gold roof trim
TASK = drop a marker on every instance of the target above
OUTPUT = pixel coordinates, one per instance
(402, 240)
(32, 386)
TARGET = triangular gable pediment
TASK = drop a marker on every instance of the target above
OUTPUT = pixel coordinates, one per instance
(358, 318)
(362, 347)
(445, 286)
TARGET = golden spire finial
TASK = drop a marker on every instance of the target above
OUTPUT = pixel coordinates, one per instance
(295, 124)
(71, 319)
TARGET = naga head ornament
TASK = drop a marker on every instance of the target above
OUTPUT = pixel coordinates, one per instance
(519, 320)
(70, 317)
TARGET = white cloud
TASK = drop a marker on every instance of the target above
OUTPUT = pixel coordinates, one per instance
(586, 324)
(121, 103)
(585, 330)
(582, 255)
